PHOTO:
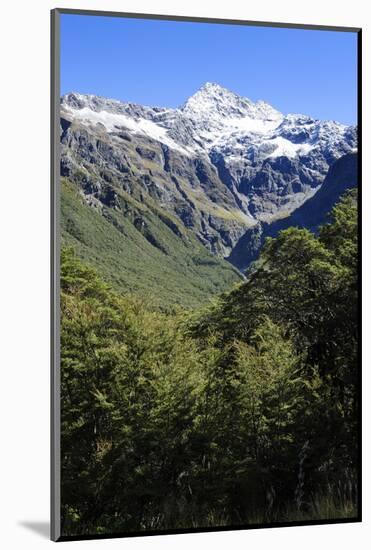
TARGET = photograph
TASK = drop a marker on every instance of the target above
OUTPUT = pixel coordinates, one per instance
(207, 268)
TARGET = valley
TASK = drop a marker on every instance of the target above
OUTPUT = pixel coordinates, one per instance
(188, 195)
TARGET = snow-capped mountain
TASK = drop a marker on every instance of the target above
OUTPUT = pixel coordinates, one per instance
(216, 118)
(216, 108)
(220, 162)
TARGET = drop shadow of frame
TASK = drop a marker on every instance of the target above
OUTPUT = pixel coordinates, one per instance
(41, 528)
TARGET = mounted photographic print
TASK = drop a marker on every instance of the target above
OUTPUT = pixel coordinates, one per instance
(205, 274)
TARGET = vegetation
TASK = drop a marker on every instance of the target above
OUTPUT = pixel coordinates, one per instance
(139, 249)
(240, 413)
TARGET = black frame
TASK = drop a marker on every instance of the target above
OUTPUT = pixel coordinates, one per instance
(55, 530)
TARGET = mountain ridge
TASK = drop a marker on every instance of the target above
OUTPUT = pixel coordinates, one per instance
(341, 177)
(220, 163)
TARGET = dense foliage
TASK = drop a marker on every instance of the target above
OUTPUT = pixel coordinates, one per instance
(243, 412)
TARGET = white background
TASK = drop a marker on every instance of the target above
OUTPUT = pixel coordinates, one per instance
(24, 286)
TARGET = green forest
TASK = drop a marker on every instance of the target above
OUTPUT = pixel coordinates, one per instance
(240, 410)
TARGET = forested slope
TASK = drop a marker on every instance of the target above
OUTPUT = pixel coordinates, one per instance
(240, 413)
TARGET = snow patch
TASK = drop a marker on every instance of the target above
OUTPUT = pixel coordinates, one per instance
(285, 148)
(112, 121)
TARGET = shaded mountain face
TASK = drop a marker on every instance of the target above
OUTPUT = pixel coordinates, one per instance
(220, 165)
(342, 175)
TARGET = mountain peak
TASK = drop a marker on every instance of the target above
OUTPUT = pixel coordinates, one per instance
(213, 87)
(210, 97)
(214, 101)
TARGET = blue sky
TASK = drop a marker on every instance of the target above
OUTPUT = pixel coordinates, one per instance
(164, 62)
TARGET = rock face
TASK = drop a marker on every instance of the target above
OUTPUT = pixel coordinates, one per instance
(222, 164)
(342, 175)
